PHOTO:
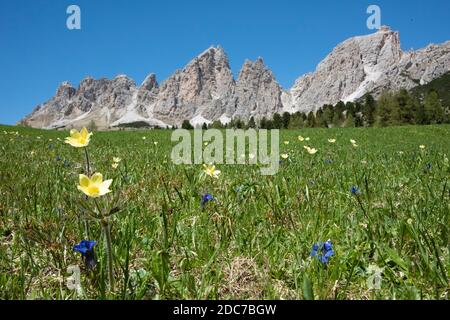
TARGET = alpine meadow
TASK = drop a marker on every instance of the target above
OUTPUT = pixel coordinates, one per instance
(353, 213)
(225, 160)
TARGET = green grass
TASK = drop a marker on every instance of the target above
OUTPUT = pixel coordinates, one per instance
(254, 243)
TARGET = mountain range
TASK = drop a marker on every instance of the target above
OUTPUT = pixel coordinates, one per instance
(205, 90)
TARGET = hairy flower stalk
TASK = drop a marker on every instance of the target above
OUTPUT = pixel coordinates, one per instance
(106, 226)
(88, 172)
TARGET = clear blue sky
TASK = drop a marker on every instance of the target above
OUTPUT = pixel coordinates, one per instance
(137, 37)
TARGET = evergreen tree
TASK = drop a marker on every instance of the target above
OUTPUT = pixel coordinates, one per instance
(204, 126)
(434, 113)
(296, 121)
(388, 111)
(263, 123)
(216, 125)
(186, 125)
(327, 115)
(251, 123)
(311, 120)
(286, 118)
(319, 121)
(368, 110)
(277, 121)
(349, 121)
(337, 118)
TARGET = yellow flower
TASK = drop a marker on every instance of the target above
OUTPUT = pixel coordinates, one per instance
(352, 141)
(422, 147)
(95, 186)
(285, 156)
(79, 139)
(286, 142)
(300, 138)
(355, 145)
(143, 138)
(310, 150)
(115, 165)
(155, 143)
(211, 171)
(307, 139)
(331, 140)
(116, 159)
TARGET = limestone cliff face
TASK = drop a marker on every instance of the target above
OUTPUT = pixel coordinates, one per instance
(257, 93)
(205, 90)
(368, 64)
(199, 91)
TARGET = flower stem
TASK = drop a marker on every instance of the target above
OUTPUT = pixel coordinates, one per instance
(88, 163)
(88, 173)
(107, 231)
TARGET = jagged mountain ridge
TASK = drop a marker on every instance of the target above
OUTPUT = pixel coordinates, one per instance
(205, 90)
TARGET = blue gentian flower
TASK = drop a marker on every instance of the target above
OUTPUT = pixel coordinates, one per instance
(355, 190)
(58, 158)
(86, 248)
(66, 163)
(326, 251)
(206, 198)
(328, 161)
(429, 166)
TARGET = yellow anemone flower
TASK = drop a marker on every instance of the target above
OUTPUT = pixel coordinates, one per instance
(352, 141)
(300, 138)
(422, 147)
(211, 171)
(115, 165)
(79, 139)
(286, 142)
(307, 139)
(94, 187)
(285, 156)
(310, 150)
(331, 140)
(116, 159)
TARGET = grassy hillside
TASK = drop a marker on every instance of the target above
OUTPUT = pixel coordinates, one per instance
(383, 204)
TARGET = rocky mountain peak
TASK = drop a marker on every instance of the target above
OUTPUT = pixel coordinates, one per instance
(363, 64)
(257, 92)
(205, 89)
(150, 82)
(65, 90)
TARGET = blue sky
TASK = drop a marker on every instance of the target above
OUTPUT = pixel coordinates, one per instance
(137, 37)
